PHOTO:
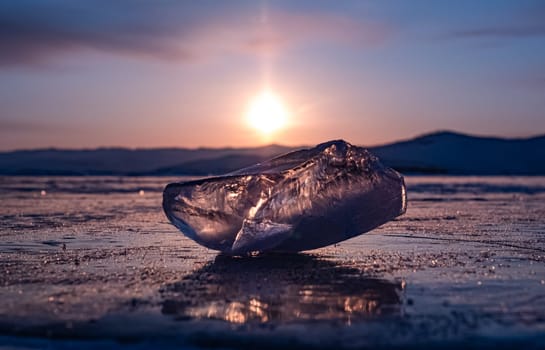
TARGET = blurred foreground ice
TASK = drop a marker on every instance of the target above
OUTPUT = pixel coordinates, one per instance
(303, 200)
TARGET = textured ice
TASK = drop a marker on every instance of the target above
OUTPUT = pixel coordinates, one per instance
(303, 200)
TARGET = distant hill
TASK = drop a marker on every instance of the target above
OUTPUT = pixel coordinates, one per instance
(218, 165)
(436, 153)
(454, 153)
(122, 161)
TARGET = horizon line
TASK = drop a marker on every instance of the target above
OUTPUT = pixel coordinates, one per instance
(401, 140)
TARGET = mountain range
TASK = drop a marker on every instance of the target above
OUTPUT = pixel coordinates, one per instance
(442, 152)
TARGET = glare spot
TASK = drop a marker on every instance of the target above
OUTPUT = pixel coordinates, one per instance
(266, 113)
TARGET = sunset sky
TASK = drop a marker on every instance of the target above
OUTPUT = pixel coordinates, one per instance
(80, 74)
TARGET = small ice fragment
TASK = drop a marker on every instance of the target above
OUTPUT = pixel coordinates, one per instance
(303, 200)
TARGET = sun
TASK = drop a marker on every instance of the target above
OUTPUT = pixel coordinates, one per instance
(266, 113)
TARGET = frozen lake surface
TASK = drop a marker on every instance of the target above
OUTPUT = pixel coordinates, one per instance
(93, 261)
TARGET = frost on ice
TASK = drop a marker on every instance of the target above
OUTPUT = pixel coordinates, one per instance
(303, 200)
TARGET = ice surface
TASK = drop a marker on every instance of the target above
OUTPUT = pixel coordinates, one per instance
(465, 264)
(303, 200)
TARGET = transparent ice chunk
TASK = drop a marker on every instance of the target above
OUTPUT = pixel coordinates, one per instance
(303, 200)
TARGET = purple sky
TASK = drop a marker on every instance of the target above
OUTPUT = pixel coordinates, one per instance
(77, 74)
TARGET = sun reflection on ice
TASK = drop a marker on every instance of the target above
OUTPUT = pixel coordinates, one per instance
(280, 289)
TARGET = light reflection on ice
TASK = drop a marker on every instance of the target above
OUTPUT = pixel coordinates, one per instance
(280, 288)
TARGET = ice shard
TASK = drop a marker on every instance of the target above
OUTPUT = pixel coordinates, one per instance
(303, 200)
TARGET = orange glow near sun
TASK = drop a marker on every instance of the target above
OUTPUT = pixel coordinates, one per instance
(266, 113)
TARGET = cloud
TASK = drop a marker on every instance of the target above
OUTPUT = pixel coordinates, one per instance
(31, 31)
(284, 29)
(534, 81)
(34, 31)
(8, 126)
(521, 31)
(526, 23)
